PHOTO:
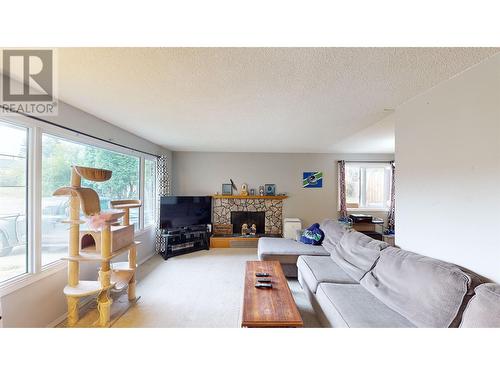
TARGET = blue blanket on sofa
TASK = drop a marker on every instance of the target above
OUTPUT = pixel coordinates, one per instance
(312, 235)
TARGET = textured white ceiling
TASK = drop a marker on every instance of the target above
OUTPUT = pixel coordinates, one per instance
(255, 99)
(377, 138)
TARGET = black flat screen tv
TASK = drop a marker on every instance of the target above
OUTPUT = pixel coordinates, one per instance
(180, 212)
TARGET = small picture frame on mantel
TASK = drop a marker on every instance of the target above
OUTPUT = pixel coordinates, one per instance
(227, 189)
(270, 189)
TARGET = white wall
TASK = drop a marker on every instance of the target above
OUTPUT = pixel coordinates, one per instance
(448, 171)
(43, 302)
(202, 173)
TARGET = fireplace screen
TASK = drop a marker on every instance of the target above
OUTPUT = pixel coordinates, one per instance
(238, 218)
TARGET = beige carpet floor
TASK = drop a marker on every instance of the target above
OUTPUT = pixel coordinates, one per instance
(202, 289)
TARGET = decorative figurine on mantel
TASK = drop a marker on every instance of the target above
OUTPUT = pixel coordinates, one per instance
(261, 191)
(244, 190)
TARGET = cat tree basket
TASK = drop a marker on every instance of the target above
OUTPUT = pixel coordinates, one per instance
(101, 244)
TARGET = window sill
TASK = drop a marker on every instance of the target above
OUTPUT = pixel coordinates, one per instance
(368, 210)
(21, 281)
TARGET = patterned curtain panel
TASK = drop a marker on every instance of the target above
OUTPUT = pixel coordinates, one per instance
(343, 204)
(392, 209)
(163, 189)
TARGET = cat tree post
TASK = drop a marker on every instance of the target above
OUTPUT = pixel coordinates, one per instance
(126, 217)
(74, 231)
(132, 263)
(104, 300)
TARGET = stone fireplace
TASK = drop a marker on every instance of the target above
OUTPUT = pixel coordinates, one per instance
(270, 206)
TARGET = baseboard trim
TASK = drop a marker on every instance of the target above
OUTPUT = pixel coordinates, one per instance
(58, 321)
(146, 258)
(62, 318)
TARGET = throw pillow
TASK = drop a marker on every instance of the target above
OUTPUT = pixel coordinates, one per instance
(313, 235)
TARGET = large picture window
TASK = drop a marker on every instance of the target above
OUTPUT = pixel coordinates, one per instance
(13, 201)
(36, 160)
(58, 155)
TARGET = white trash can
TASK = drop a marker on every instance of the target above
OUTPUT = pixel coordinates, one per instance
(290, 227)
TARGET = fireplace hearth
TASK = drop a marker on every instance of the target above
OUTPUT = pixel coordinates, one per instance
(238, 218)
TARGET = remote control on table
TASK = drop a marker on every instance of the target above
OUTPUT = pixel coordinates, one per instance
(262, 274)
(265, 281)
(264, 286)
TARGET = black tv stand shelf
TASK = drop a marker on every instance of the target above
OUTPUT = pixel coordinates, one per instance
(185, 240)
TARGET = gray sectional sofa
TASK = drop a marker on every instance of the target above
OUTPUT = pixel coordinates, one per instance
(287, 252)
(353, 280)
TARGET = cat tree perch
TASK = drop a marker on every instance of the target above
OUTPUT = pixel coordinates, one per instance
(110, 239)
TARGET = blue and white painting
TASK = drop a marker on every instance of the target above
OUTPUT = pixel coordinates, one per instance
(312, 180)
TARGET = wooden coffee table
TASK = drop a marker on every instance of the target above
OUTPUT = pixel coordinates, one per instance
(268, 307)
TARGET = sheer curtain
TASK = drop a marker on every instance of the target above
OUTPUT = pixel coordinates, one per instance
(392, 208)
(163, 189)
(342, 196)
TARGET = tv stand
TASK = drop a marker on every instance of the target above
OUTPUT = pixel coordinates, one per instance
(185, 240)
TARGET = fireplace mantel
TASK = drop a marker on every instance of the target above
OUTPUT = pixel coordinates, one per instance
(249, 196)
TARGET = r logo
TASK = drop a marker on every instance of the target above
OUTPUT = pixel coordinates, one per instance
(34, 68)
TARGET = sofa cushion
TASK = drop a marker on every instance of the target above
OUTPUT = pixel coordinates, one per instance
(334, 231)
(427, 291)
(351, 305)
(483, 310)
(315, 270)
(285, 250)
(356, 253)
